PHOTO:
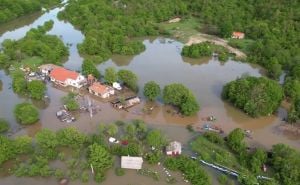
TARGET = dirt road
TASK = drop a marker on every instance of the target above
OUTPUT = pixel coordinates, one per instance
(201, 37)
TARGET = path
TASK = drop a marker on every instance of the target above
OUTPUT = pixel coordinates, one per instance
(201, 37)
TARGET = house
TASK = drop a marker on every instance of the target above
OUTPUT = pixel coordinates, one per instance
(117, 86)
(174, 148)
(65, 77)
(101, 90)
(238, 35)
(131, 162)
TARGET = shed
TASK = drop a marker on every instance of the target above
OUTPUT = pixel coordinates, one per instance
(131, 162)
(174, 148)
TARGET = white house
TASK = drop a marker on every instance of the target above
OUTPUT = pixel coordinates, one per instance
(101, 90)
(64, 77)
(174, 148)
(131, 162)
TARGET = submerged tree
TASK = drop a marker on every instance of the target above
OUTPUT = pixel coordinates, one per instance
(151, 90)
(26, 113)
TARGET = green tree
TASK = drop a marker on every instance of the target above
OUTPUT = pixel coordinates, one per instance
(100, 158)
(26, 113)
(19, 83)
(112, 129)
(156, 139)
(71, 137)
(36, 89)
(88, 67)
(151, 90)
(110, 75)
(128, 78)
(257, 159)
(4, 125)
(179, 95)
(46, 139)
(286, 163)
(235, 140)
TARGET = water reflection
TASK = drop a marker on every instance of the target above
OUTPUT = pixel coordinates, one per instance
(121, 60)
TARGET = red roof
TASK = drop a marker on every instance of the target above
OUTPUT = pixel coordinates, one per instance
(98, 88)
(236, 33)
(62, 74)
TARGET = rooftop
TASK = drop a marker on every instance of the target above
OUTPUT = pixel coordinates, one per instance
(62, 74)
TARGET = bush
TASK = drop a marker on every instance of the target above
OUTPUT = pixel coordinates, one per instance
(223, 179)
(119, 171)
(70, 102)
(214, 137)
(4, 126)
(151, 90)
(26, 113)
(84, 177)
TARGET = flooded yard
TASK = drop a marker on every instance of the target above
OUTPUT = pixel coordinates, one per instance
(161, 62)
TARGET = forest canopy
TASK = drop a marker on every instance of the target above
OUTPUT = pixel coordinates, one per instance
(108, 26)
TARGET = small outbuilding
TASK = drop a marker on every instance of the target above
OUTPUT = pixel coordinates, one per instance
(174, 148)
(101, 90)
(238, 35)
(131, 162)
(117, 86)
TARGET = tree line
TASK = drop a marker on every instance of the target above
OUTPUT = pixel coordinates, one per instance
(11, 9)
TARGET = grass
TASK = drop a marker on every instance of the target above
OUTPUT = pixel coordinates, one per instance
(242, 44)
(183, 29)
(33, 63)
(215, 153)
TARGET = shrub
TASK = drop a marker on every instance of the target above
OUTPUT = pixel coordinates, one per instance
(4, 126)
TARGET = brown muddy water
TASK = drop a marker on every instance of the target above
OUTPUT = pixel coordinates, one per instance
(161, 62)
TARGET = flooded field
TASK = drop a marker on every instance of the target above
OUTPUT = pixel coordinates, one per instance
(161, 62)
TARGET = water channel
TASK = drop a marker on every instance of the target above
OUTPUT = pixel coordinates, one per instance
(161, 62)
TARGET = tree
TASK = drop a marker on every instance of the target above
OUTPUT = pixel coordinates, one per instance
(151, 90)
(257, 159)
(4, 126)
(46, 139)
(110, 75)
(99, 158)
(286, 163)
(179, 95)
(26, 113)
(129, 79)
(70, 102)
(88, 67)
(71, 137)
(112, 129)
(36, 89)
(156, 139)
(19, 83)
(235, 140)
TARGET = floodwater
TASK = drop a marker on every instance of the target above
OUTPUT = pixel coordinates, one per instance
(161, 62)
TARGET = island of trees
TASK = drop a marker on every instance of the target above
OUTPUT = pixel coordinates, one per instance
(205, 49)
(256, 96)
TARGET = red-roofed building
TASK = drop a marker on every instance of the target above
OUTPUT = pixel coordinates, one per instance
(64, 77)
(101, 90)
(238, 35)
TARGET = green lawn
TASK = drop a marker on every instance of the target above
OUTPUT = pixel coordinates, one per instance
(182, 30)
